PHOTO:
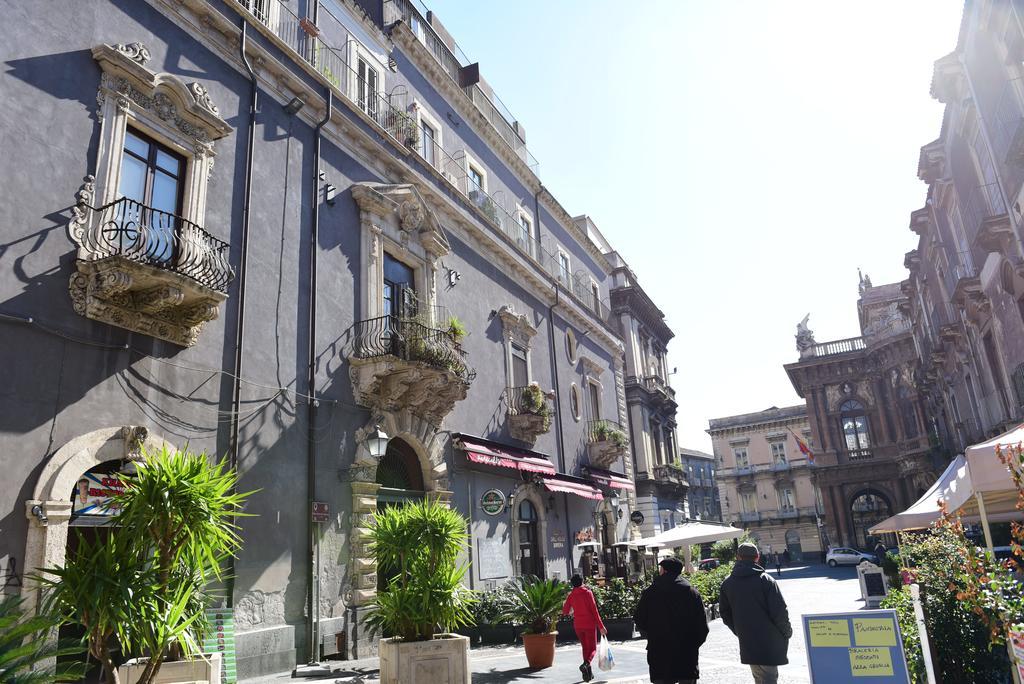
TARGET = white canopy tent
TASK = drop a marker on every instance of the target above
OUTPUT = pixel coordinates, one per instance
(690, 533)
(983, 486)
(925, 510)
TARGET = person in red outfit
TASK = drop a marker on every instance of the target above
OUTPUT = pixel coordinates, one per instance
(585, 620)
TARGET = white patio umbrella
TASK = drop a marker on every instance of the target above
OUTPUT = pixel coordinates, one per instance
(925, 510)
(689, 533)
(983, 486)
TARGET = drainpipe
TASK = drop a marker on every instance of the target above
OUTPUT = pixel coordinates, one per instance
(314, 568)
(560, 435)
(242, 261)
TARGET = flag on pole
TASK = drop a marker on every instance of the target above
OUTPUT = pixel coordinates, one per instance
(804, 449)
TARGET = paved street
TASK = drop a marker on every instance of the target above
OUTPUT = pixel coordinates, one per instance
(815, 589)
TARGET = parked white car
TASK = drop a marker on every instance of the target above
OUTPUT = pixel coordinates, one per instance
(841, 555)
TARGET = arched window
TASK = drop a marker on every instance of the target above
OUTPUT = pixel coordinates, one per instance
(855, 428)
(530, 562)
(399, 468)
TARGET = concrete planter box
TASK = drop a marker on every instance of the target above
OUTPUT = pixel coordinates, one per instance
(203, 668)
(443, 660)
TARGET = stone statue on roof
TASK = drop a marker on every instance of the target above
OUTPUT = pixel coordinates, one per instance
(804, 337)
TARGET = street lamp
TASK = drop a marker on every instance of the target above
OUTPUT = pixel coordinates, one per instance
(377, 442)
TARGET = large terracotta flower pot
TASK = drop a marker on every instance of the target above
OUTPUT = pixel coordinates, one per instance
(540, 649)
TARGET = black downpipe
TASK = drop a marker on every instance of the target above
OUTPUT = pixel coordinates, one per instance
(314, 627)
(552, 347)
(236, 397)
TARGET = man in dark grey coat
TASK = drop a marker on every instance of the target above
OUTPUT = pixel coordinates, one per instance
(753, 608)
(670, 614)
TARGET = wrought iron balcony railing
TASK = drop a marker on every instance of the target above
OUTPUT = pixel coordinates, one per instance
(145, 235)
(960, 270)
(410, 340)
(527, 400)
(607, 431)
(859, 454)
(983, 203)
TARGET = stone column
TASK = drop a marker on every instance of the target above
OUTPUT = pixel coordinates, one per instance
(364, 565)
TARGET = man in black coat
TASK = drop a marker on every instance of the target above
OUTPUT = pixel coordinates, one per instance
(671, 615)
(753, 608)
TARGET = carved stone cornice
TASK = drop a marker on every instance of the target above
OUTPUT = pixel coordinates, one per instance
(604, 453)
(404, 206)
(143, 298)
(931, 164)
(948, 82)
(516, 327)
(527, 427)
(390, 384)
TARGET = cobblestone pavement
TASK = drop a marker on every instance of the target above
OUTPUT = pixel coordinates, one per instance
(814, 589)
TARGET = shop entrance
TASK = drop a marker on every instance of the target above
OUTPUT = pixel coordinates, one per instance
(796, 552)
(401, 481)
(529, 546)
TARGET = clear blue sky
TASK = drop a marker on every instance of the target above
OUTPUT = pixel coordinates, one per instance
(744, 157)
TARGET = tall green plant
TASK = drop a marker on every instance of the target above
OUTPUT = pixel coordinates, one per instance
(24, 645)
(147, 583)
(536, 604)
(419, 543)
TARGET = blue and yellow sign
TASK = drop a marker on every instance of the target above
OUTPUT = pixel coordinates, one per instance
(860, 647)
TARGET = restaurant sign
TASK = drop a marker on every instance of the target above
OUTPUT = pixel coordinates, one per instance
(93, 493)
(492, 501)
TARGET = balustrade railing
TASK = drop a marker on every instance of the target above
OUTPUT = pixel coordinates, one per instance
(134, 231)
(859, 454)
(410, 340)
(839, 346)
(750, 516)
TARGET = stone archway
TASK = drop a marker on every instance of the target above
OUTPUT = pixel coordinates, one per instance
(428, 443)
(867, 507)
(49, 509)
(529, 492)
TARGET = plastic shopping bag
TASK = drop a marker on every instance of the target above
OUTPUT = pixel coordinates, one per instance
(605, 659)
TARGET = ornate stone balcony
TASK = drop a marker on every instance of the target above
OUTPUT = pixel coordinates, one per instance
(399, 365)
(146, 270)
(670, 475)
(606, 442)
(529, 415)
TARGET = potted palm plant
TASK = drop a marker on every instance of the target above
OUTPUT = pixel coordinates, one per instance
(25, 647)
(536, 604)
(418, 545)
(146, 586)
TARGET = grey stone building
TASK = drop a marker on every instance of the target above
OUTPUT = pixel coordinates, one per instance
(965, 291)
(702, 496)
(661, 484)
(271, 230)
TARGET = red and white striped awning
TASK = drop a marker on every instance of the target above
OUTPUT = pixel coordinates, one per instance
(558, 484)
(608, 478)
(489, 453)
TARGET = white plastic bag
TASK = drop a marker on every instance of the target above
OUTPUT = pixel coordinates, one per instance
(605, 659)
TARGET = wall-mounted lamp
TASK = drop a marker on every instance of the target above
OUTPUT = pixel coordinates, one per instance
(511, 501)
(293, 106)
(377, 442)
(330, 193)
(614, 501)
(37, 511)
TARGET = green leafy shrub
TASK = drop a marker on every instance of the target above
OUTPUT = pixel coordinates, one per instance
(606, 432)
(24, 645)
(725, 549)
(534, 402)
(456, 328)
(490, 606)
(708, 583)
(419, 543)
(536, 604)
(147, 584)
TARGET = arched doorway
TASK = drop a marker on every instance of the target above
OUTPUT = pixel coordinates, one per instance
(401, 480)
(867, 508)
(796, 552)
(49, 511)
(528, 524)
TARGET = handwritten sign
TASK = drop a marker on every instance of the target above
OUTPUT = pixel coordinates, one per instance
(492, 559)
(874, 632)
(829, 632)
(859, 647)
(870, 662)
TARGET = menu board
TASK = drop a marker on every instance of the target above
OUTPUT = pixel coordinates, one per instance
(492, 559)
(221, 639)
(860, 647)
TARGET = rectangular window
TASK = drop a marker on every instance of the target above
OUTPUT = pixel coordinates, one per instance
(476, 179)
(595, 401)
(151, 181)
(525, 240)
(367, 93)
(520, 369)
(595, 292)
(748, 502)
(741, 458)
(428, 143)
(786, 501)
(778, 452)
(399, 288)
(564, 269)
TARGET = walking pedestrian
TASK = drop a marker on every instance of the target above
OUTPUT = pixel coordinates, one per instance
(880, 552)
(753, 608)
(785, 558)
(778, 564)
(671, 615)
(585, 620)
